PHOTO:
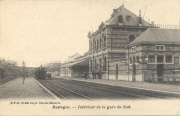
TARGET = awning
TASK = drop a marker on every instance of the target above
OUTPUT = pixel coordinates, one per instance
(77, 63)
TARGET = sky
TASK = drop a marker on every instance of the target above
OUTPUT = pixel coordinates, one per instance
(42, 31)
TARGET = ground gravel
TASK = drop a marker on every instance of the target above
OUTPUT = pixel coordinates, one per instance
(29, 90)
(143, 85)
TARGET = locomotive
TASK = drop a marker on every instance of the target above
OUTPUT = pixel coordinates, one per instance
(40, 73)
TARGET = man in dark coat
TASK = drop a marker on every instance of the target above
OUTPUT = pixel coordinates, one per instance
(93, 74)
(49, 76)
(85, 75)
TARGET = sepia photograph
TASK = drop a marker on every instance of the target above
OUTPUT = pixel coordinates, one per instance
(89, 57)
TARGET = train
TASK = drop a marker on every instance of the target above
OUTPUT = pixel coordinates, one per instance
(40, 73)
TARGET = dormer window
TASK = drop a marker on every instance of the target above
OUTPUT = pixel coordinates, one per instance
(120, 19)
(160, 47)
(128, 17)
(133, 49)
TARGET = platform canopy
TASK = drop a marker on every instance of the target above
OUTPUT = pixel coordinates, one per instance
(76, 63)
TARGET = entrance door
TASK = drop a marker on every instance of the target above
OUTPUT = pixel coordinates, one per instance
(160, 68)
(116, 71)
(134, 73)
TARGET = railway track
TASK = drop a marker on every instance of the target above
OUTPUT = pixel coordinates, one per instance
(125, 91)
(62, 92)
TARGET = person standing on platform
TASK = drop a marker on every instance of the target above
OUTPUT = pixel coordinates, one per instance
(85, 75)
(49, 75)
(93, 74)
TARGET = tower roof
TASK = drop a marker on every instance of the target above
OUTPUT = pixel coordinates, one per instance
(128, 18)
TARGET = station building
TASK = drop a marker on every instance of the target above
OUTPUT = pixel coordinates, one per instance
(154, 56)
(126, 47)
(109, 43)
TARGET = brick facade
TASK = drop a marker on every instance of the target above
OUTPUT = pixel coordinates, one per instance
(109, 43)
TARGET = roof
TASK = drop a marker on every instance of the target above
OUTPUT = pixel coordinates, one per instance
(76, 63)
(158, 35)
(132, 21)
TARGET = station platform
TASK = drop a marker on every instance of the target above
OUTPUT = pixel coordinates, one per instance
(142, 86)
(31, 89)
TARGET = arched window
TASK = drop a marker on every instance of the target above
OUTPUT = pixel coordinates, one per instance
(91, 65)
(95, 63)
(100, 63)
(100, 43)
(131, 38)
(97, 44)
(105, 64)
(91, 46)
(104, 41)
(94, 45)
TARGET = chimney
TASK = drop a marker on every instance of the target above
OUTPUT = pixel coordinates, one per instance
(140, 18)
(139, 13)
(114, 10)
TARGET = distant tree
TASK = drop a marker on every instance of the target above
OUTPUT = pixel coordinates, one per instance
(2, 72)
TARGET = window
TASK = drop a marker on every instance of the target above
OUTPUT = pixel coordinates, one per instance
(95, 63)
(130, 60)
(91, 65)
(134, 58)
(94, 45)
(105, 64)
(151, 58)
(120, 19)
(91, 47)
(100, 63)
(104, 41)
(160, 59)
(97, 44)
(169, 59)
(128, 18)
(137, 58)
(133, 49)
(100, 43)
(131, 38)
(160, 47)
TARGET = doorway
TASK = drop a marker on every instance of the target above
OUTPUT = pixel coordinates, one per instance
(160, 68)
(116, 76)
(134, 73)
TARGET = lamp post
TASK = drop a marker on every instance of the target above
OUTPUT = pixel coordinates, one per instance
(24, 72)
